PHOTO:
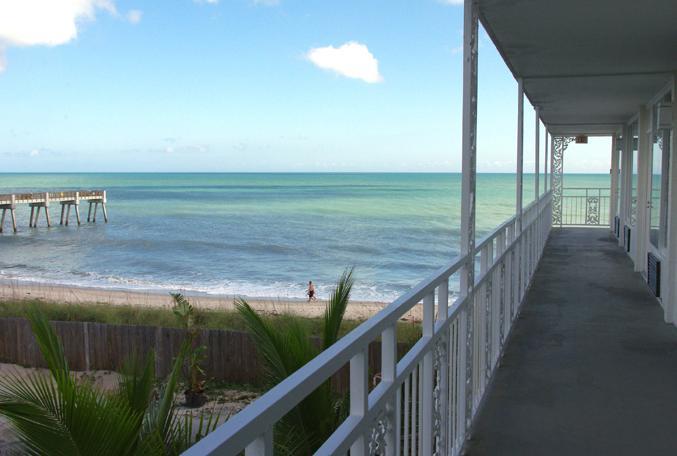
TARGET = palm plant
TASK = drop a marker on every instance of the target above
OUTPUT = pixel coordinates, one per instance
(195, 375)
(59, 415)
(286, 349)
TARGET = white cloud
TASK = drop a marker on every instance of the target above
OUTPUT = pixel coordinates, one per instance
(267, 2)
(45, 22)
(134, 16)
(34, 153)
(211, 2)
(352, 60)
(451, 2)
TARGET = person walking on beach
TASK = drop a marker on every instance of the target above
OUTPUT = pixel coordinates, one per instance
(311, 291)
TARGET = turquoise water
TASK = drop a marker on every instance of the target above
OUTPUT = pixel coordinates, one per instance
(261, 235)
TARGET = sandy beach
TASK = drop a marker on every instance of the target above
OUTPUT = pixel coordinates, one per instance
(17, 290)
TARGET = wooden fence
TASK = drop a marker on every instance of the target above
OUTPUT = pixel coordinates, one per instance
(231, 356)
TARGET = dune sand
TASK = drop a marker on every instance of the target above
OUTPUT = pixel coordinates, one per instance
(18, 290)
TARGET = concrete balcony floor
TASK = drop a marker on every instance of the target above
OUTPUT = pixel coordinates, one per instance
(590, 368)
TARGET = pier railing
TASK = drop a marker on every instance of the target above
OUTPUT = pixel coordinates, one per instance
(41, 202)
(585, 206)
(424, 402)
(38, 197)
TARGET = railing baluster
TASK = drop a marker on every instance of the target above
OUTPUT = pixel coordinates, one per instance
(414, 410)
(443, 375)
(427, 385)
(407, 413)
(388, 367)
(420, 409)
(359, 392)
(262, 446)
(398, 420)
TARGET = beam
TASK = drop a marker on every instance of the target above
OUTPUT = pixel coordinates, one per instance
(594, 75)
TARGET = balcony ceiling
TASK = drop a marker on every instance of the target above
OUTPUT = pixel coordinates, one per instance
(588, 65)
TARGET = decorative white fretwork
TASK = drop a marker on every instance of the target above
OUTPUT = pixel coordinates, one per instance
(377, 435)
(559, 145)
(487, 327)
(440, 358)
(592, 210)
(501, 306)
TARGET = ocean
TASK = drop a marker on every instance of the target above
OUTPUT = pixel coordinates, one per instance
(256, 235)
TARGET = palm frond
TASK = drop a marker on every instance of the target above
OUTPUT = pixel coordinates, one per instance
(50, 347)
(268, 342)
(56, 415)
(183, 309)
(137, 382)
(336, 308)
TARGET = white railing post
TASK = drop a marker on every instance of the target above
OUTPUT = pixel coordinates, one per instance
(443, 443)
(388, 370)
(262, 446)
(510, 288)
(427, 386)
(359, 394)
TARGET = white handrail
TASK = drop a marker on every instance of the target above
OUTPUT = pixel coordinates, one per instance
(471, 332)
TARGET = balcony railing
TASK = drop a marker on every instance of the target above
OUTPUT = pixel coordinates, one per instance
(424, 403)
(585, 206)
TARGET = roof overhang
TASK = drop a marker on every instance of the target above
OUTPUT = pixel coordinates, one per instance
(588, 65)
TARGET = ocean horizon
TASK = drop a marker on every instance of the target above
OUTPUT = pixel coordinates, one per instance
(256, 234)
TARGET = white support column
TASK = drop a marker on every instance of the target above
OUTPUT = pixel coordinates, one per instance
(613, 194)
(670, 296)
(643, 171)
(545, 172)
(537, 153)
(469, 174)
(626, 181)
(518, 278)
(520, 154)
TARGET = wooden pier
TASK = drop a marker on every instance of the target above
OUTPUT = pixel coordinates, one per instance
(42, 201)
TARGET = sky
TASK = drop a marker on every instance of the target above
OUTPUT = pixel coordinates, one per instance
(251, 85)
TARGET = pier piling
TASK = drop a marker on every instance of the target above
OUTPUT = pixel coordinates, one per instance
(8, 203)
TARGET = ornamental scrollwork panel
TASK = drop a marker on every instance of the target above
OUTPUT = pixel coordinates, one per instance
(592, 210)
(559, 145)
(377, 435)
